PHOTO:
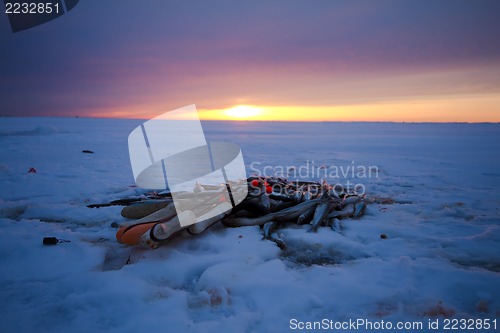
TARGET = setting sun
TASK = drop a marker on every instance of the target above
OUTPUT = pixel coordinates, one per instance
(243, 111)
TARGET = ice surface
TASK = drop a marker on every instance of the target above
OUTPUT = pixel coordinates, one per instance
(440, 256)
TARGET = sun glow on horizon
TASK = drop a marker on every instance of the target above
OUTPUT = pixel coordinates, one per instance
(428, 109)
(462, 108)
(243, 112)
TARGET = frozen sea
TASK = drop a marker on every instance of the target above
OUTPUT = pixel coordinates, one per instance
(440, 258)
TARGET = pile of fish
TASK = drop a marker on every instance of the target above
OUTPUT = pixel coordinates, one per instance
(274, 202)
(271, 203)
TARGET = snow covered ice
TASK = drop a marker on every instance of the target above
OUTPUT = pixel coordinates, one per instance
(440, 258)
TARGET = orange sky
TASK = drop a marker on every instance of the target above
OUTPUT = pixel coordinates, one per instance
(452, 109)
(440, 95)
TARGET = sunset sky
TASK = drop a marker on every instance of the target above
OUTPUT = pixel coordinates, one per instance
(320, 60)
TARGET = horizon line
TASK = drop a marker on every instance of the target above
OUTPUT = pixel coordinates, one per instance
(267, 121)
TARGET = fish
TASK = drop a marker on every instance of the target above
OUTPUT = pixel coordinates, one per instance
(335, 224)
(287, 214)
(352, 199)
(120, 202)
(161, 215)
(347, 211)
(199, 227)
(320, 214)
(282, 197)
(268, 229)
(152, 233)
(264, 200)
(202, 205)
(253, 206)
(161, 232)
(305, 217)
(359, 209)
(277, 206)
(298, 196)
(198, 188)
(201, 195)
(144, 208)
(308, 196)
(278, 240)
(211, 187)
(333, 193)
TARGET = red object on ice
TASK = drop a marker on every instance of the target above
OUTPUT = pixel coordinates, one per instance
(269, 189)
(222, 199)
(255, 183)
(32, 170)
